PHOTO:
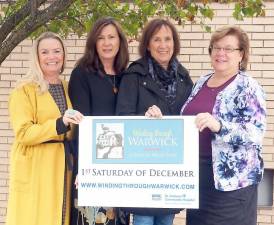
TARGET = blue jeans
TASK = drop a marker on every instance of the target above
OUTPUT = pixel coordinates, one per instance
(153, 220)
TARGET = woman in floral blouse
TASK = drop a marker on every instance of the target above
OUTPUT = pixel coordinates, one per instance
(231, 116)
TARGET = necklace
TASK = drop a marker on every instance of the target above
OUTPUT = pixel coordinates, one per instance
(114, 88)
(112, 80)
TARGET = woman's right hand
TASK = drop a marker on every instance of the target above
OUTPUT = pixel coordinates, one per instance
(206, 120)
(154, 112)
(72, 116)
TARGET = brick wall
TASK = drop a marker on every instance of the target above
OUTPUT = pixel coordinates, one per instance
(194, 43)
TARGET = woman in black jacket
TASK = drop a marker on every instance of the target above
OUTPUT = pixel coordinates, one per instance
(156, 81)
(93, 89)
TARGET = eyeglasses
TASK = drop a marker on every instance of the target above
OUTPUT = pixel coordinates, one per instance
(225, 49)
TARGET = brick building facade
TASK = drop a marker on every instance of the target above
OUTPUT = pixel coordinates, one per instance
(194, 44)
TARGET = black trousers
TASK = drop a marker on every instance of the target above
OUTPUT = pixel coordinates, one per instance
(237, 207)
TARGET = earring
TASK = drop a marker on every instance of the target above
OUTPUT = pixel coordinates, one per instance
(240, 65)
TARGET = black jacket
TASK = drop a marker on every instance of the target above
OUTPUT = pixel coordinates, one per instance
(138, 92)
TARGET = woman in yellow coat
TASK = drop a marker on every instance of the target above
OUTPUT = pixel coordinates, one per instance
(41, 160)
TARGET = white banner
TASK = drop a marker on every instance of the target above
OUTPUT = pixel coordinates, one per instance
(138, 162)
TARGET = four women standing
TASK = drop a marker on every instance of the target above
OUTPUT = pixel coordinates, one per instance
(229, 105)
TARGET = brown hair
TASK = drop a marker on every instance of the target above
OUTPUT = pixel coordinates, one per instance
(242, 38)
(90, 59)
(151, 28)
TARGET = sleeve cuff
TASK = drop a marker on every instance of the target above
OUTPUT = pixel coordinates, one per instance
(61, 128)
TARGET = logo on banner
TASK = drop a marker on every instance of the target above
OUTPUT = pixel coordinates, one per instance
(109, 141)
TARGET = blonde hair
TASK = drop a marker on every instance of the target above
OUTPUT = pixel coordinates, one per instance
(35, 74)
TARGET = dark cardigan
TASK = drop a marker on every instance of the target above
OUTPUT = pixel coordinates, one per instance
(91, 93)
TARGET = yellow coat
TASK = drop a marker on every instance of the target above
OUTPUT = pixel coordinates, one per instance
(36, 169)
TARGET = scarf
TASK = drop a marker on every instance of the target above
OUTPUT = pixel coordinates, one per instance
(165, 79)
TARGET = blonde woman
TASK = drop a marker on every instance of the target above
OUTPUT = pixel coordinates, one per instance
(41, 161)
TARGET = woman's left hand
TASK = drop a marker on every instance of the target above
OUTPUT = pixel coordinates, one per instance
(206, 120)
(154, 111)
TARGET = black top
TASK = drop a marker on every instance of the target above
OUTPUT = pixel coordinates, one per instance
(92, 94)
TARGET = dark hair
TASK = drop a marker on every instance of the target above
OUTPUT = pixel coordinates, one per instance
(151, 28)
(90, 59)
(242, 38)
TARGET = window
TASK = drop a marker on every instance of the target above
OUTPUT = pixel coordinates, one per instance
(265, 191)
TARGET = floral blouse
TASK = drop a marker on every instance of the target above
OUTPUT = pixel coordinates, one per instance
(236, 148)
